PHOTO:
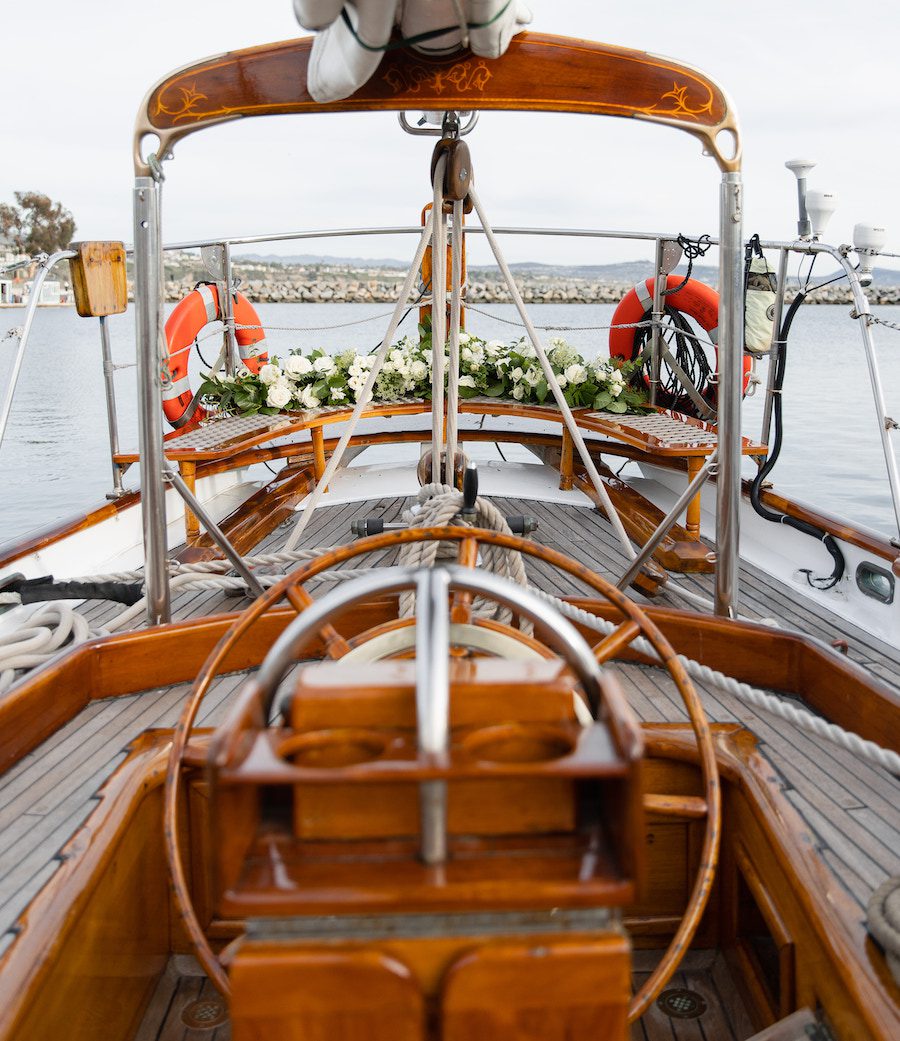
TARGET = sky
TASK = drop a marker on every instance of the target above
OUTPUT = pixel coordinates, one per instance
(814, 78)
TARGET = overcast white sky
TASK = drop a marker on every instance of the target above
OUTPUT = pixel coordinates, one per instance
(816, 78)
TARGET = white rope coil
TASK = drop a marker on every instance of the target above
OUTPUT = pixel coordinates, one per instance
(40, 635)
(800, 718)
(884, 922)
(438, 505)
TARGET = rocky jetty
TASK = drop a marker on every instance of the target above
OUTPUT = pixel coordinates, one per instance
(326, 280)
(534, 290)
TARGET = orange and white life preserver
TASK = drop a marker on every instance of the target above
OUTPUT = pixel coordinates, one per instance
(196, 310)
(695, 299)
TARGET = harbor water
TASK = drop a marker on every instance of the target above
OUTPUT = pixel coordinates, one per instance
(54, 460)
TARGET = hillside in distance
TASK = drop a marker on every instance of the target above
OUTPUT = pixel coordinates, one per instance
(629, 272)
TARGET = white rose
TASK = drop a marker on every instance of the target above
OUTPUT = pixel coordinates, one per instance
(337, 394)
(296, 365)
(268, 374)
(467, 381)
(308, 399)
(324, 364)
(464, 337)
(527, 351)
(516, 374)
(533, 377)
(418, 370)
(466, 354)
(279, 395)
(496, 345)
(616, 377)
(616, 389)
(562, 381)
(576, 373)
(518, 392)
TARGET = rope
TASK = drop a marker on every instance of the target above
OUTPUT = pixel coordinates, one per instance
(438, 505)
(884, 922)
(41, 634)
(314, 328)
(574, 432)
(559, 328)
(801, 718)
(871, 319)
(366, 393)
(646, 324)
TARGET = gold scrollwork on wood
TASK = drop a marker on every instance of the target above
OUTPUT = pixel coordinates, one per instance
(462, 77)
(679, 106)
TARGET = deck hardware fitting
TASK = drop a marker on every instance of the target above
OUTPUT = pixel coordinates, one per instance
(204, 1015)
(681, 1003)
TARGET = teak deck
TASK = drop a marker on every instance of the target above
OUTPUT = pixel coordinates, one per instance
(851, 810)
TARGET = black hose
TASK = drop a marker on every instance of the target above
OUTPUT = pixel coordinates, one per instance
(827, 540)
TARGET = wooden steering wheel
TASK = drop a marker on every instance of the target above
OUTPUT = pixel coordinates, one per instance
(634, 622)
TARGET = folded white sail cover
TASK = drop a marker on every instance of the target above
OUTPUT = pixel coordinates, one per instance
(341, 62)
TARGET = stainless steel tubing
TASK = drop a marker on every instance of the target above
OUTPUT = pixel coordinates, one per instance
(220, 538)
(657, 315)
(433, 703)
(438, 314)
(669, 519)
(227, 306)
(44, 268)
(731, 343)
(147, 333)
(775, 349)
(109, 371)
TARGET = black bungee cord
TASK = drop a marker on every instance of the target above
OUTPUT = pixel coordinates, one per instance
(828, 541)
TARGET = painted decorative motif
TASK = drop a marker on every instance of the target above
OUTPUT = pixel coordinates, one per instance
(185, 108)
(463, 76)
(679, 104)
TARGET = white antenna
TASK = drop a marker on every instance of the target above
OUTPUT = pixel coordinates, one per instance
(868, 239)
(819, 208)
(800, 168)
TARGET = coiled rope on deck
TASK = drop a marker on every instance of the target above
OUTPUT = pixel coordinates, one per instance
(47, 630)
(883, 913)
(439, 505)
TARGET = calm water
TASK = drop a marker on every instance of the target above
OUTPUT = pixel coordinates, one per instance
(54, 459)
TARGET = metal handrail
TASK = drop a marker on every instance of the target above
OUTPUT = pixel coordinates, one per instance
(45, 266)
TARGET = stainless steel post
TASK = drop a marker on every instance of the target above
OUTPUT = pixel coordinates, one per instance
(148, 319)
(885, 423)
(219, 536)
(226, 304)
(731, 343)
(438, 317)
(44, 268)
(775, 349)
(109, 371)
(656, 331)
(650, 545)
(433, 703)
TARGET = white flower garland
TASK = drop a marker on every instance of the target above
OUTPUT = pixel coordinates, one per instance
(489, 368)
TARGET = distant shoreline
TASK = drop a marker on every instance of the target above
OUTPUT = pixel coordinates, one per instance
(534, 291)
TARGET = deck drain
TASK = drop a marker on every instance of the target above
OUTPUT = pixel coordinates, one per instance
(681, 1004)
(204, 1015)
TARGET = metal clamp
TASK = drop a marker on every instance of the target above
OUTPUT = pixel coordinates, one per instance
(461, 128)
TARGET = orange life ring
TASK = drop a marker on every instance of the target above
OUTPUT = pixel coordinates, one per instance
(192, 313)
(696, 299)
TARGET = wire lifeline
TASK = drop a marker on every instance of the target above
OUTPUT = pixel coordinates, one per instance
(552, 381)
(366, 392)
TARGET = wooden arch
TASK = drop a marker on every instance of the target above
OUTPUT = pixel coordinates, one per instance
(537, 73)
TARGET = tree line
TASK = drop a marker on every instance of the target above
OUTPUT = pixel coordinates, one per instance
(36, 224)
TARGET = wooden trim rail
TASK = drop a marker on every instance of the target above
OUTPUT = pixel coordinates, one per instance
(538, 73)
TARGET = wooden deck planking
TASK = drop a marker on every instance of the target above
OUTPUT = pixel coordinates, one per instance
(724, 1019)
(853, 809)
